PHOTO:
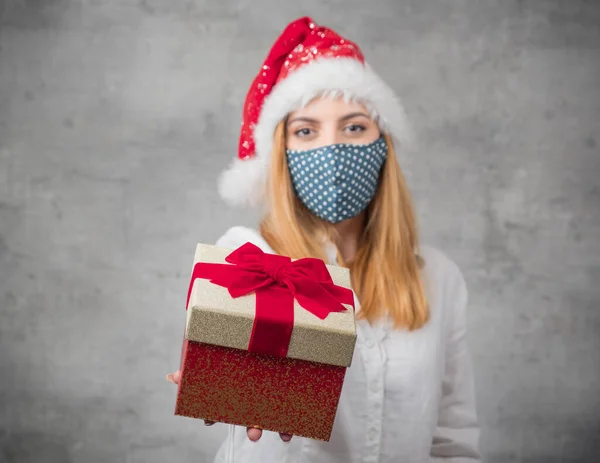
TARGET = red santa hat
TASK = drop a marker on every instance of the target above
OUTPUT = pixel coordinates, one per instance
(305, 62)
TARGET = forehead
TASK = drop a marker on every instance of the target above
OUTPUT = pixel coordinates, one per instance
(323, 108)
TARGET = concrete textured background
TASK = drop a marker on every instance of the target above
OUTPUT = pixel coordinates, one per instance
(116, 116)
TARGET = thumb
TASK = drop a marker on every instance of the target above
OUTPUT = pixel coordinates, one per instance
(174, 377)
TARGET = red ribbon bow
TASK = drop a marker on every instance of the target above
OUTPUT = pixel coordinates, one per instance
(277, 281)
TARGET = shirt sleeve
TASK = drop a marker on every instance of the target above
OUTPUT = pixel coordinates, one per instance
(456, 438)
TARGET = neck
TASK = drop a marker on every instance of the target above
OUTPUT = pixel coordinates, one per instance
(349, 234)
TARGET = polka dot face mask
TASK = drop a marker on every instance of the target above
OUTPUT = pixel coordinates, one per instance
(337, 182)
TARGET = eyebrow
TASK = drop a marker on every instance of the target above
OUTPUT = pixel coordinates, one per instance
(315, 121)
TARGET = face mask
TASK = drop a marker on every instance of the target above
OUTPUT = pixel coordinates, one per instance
(337, 182)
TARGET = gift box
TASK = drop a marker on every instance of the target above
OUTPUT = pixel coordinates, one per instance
(267, 341)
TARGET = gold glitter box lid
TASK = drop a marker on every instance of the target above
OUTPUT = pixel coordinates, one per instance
(214, 317)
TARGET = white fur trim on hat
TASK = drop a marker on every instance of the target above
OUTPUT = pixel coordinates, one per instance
(244, 182)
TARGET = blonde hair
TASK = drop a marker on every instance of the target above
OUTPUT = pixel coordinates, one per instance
(385, 272)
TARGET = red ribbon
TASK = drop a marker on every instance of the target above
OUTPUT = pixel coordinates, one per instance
(277, 281)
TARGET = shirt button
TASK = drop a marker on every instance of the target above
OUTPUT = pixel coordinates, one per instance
(369, 343)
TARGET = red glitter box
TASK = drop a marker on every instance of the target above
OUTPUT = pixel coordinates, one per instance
(267, 341)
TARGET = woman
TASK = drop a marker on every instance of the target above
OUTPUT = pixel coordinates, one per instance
(318, 150)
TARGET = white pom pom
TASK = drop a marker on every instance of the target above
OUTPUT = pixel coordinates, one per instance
(244, 182)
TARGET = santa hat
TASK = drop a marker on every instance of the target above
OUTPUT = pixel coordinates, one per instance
(306, 61)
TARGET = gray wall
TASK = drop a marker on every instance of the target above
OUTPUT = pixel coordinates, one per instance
(116, 116)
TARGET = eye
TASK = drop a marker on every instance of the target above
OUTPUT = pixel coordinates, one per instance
(356, 128)
(305, 132)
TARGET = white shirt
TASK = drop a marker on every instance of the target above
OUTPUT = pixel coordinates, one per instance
(407, 397)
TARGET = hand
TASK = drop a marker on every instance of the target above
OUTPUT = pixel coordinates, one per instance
(254, 434)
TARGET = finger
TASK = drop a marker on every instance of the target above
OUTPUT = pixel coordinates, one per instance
(177, 376)
(174, 377)
(254, 434)
(285, 437)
